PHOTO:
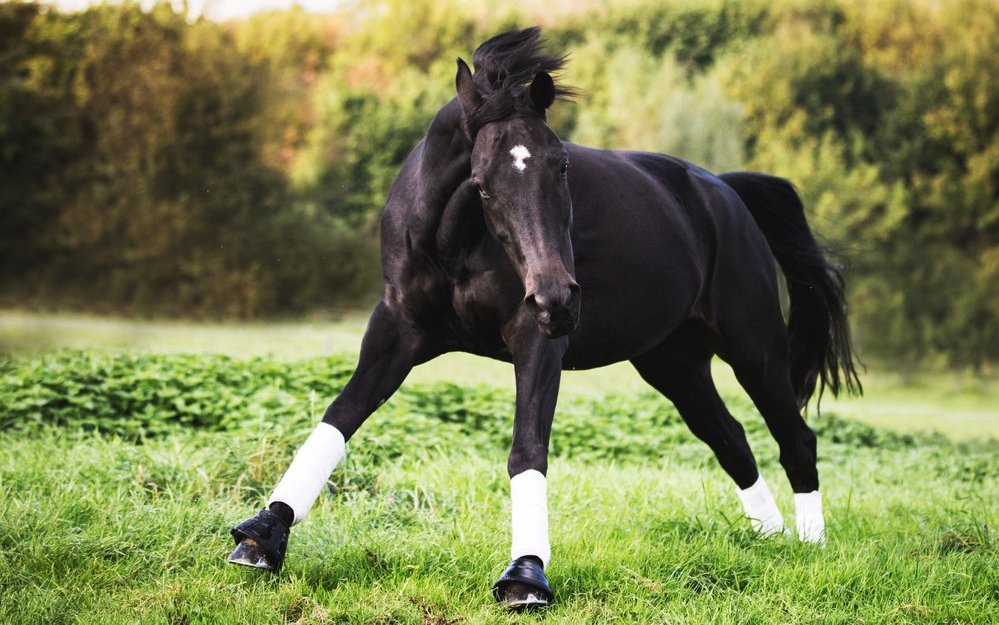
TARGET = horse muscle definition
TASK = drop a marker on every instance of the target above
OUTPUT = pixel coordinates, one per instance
(499, 239)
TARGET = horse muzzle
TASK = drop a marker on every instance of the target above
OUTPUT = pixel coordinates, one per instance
(555, 308)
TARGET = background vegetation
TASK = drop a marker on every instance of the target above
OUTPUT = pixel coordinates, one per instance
(157, 165)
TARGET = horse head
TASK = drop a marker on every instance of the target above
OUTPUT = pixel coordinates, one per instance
(520, 168)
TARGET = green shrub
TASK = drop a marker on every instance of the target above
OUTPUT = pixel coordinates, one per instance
(142, 396)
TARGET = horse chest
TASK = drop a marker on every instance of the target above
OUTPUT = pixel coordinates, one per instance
(481, 304)
(463, 312)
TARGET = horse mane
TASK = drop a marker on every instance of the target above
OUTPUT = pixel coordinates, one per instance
(505, 65)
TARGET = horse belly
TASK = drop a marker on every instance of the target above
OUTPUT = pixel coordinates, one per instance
(642, 259)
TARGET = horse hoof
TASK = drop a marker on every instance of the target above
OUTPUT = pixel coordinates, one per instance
(523, 585)
(261, 542)
(248, 553)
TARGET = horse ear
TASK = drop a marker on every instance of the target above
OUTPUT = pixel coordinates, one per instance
(542, 91)
(463, 84)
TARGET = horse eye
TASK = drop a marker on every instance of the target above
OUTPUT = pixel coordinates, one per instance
(482, 193)
(564, 168)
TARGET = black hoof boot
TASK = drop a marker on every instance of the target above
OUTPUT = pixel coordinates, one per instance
(523, 585)
(261, 542)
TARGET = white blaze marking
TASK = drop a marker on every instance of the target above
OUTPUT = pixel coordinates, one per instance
(520, 153)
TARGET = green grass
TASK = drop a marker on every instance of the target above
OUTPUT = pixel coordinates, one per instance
(131, 525)
(98, 530)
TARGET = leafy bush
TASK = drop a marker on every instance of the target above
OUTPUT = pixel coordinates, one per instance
(141, 396)
(137, 396)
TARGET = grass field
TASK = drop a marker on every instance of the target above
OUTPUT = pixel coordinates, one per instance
(131, 525)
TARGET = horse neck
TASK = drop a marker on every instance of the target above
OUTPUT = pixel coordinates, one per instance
(445, 162)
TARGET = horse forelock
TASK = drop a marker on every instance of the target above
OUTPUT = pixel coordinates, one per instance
(505, 65)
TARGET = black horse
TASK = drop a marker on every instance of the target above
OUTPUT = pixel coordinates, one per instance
(499, 239)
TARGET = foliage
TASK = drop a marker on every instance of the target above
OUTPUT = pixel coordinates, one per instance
(884, 115)
(650, 103)
(151, 163)
(163, 200)
(146, 396)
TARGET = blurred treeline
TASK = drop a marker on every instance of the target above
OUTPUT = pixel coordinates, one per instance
(155, 164)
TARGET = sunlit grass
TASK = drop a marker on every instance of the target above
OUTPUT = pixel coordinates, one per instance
(97, 530)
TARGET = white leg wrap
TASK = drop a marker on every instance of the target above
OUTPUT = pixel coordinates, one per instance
(529, 516)
(808, 517)
(760, 507)
(313, 463)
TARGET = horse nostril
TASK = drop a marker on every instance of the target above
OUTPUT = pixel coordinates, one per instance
(558, 298)
(537, 301)
(574, 290)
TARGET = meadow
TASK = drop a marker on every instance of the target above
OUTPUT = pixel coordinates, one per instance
(131, 448)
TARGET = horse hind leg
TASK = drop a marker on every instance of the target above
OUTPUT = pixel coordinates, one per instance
(688, 384)
(761, 365)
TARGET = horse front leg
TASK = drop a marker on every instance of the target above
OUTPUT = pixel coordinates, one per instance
(389, 350)
(538, 366)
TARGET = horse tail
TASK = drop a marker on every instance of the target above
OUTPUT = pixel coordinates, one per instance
(820, 347)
